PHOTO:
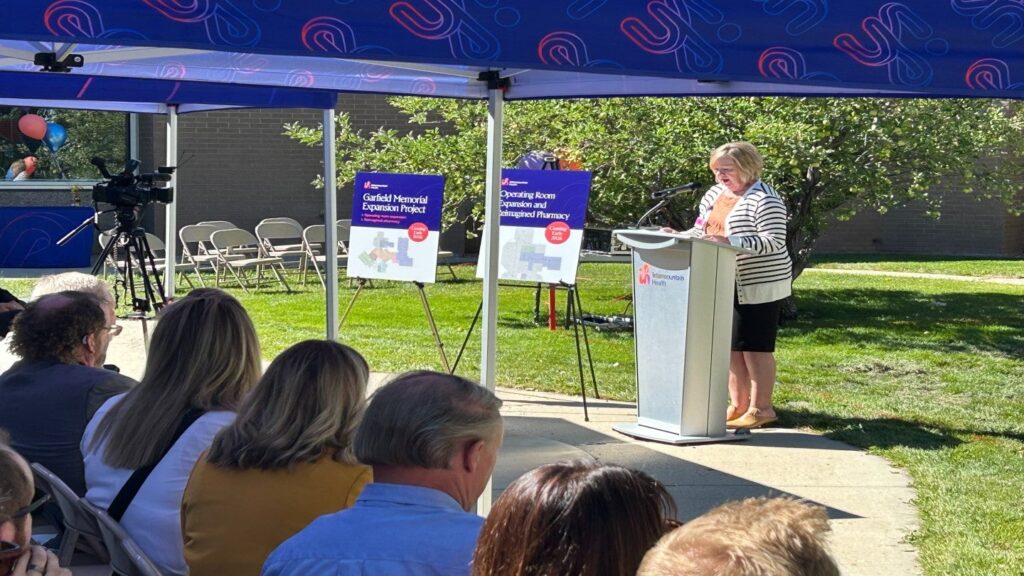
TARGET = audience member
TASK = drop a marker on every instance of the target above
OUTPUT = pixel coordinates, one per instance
(752, 537)
(289, 449)
(48, 397)
(17, 556)
(10, 307)
(432, 440)
(141, 446)
(574, 519)
(53, 283)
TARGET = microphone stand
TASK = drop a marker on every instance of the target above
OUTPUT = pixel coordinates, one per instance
(657, 207)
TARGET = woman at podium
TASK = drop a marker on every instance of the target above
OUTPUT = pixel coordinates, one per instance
(743, 211)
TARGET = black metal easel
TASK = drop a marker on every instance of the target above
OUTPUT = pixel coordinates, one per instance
(574, 315)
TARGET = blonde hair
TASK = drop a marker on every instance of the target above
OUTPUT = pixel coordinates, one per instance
(306, 406)
(748, 160)
(74, 282)
(751, 537)
(204, 355)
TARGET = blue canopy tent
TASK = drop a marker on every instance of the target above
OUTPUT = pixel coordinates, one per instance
(522, 49)
(169, 97)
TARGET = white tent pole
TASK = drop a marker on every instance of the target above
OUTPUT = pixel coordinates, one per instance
(171, 209)
(330, 229)
(489, 326)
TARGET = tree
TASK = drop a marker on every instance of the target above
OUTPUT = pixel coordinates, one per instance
(828, 157)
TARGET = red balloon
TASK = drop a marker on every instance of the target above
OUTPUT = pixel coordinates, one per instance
(33, 126)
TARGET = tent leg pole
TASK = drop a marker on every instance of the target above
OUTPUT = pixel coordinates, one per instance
(171, 210)
(330, 230)
(489, 326)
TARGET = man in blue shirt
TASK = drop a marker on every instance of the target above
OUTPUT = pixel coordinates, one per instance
(432, 440)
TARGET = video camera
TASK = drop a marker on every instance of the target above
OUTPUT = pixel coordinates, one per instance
(127, 189)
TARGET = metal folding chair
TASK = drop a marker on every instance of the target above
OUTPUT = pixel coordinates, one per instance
(126, 558)
(228, 244)
(312, 237)
(78, 523)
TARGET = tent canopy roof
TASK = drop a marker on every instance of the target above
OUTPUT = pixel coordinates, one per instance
(589, 48)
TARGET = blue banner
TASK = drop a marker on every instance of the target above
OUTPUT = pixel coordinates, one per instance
(28, 237)
(384, 200)
(536, 198)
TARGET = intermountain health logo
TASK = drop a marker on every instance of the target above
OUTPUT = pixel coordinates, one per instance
(644, 275)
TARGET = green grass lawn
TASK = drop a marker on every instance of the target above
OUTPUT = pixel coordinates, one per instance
(926, 373)
(992, 267)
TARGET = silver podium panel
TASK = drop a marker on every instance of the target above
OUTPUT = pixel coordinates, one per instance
(682, 301)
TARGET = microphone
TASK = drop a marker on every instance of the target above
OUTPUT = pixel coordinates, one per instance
(670, 192)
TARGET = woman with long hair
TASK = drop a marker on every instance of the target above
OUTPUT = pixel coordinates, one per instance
(285, 460)
(140, 446)
(574, 519)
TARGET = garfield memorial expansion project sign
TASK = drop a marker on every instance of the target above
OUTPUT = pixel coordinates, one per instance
(396, 225)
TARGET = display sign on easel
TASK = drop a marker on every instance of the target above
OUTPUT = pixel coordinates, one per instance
(396, 225)
(542, 217)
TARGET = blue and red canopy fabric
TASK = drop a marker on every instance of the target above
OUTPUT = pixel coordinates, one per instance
(568, 48)
(147, 96)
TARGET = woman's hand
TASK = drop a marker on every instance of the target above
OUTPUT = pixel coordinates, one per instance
(716, 238)
(39, 561)
(669, 230)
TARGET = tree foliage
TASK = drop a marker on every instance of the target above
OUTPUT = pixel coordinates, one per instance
(828, 157)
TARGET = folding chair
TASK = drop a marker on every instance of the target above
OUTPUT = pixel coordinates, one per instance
(270, 235)
(228, 244)
(444, 258)
(344, 233)
(126, 558)
(224, 225)
(77, 522)
(313, 236)
(195, 251)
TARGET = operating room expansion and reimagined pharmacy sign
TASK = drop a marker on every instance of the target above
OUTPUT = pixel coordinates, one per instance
(542, 216)
(396, 223)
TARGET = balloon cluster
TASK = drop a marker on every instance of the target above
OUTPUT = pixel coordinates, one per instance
(37, 129)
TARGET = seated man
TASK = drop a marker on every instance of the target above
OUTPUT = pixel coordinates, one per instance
(48, 397)
(432, 440)
(51, 284)
(16, 488)
(752, 537)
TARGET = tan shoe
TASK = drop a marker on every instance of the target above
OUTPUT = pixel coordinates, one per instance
(732, 412)
(753, 418)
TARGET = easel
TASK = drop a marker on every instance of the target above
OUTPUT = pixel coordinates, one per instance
(574, 314)
(362, 282)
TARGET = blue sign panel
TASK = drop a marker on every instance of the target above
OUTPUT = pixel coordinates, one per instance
(384, 200)
(536, 198)
(28, 237)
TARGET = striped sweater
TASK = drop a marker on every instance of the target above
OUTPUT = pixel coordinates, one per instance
(758, 223)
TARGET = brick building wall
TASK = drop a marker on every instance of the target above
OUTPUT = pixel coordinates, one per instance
(968, 226)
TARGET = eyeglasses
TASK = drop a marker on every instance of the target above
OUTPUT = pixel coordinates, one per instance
(114, 329)
(26, 510)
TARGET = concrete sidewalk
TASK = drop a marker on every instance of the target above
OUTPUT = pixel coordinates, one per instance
(868, 501)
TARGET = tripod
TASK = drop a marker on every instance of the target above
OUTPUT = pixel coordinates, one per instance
(129, 250)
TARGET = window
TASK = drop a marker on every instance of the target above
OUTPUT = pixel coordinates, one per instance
(56, 144)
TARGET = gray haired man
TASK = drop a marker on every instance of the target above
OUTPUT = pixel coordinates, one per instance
(432, 440)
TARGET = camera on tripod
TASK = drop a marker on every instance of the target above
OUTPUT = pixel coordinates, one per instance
(127, 189)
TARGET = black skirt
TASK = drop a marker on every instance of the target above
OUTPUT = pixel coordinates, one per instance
(755, 326)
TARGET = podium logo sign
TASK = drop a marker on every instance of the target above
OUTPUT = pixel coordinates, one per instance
(644, 275)
(647, 275)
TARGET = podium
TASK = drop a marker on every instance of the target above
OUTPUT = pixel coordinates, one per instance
(683, 290)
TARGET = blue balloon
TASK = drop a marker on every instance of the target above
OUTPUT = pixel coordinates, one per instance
(55, 136)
